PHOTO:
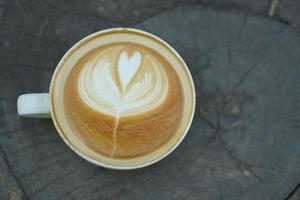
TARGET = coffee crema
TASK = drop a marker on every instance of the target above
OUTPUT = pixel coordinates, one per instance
(123, 100)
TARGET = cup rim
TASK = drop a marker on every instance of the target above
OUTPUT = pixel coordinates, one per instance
(97, 162)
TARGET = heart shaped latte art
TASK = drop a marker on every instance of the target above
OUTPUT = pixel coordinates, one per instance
(127, 67)
(117, 83)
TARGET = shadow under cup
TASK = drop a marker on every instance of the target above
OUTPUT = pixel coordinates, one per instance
(112, 36)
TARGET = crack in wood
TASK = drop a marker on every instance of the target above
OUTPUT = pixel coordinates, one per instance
(120, 181)
(216, 135)
(85, 15)
(61, 44)
(32, 145)
(93, 176)
(65, 150)
(293, 192)
(23, 129)
(48, 184)
(245, 19)
(52, 5)
(16, 65)
(239, 164)
(6, 160)
(208, 122)
(69, 193)
(38, 191)
(237, 85)
(45, 167)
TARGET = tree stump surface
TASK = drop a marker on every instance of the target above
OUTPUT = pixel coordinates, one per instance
(244, 142)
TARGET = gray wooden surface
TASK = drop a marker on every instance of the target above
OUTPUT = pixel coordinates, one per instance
(244, 142)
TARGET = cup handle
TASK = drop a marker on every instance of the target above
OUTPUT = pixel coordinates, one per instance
(35, 105)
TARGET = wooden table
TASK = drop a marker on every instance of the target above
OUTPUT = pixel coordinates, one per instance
(244, 143)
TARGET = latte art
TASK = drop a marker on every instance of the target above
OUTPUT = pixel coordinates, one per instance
(117, 83)
(123, 100)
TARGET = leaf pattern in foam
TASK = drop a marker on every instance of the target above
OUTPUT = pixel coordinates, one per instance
(139, 91)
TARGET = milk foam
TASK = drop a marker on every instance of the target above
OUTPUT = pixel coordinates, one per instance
(118, 83)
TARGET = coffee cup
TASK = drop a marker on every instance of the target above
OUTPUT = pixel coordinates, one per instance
(120, 98)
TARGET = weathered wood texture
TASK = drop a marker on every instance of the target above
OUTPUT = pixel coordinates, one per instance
(244, 142)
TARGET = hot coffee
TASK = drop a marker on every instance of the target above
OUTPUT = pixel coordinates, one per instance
(122, 95)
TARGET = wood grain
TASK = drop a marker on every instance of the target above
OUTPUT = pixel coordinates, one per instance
(243, 144)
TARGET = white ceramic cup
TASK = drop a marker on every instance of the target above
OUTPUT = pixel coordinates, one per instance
(38, 105)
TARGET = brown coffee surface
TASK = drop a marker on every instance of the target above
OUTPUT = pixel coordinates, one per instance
(122, 132)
